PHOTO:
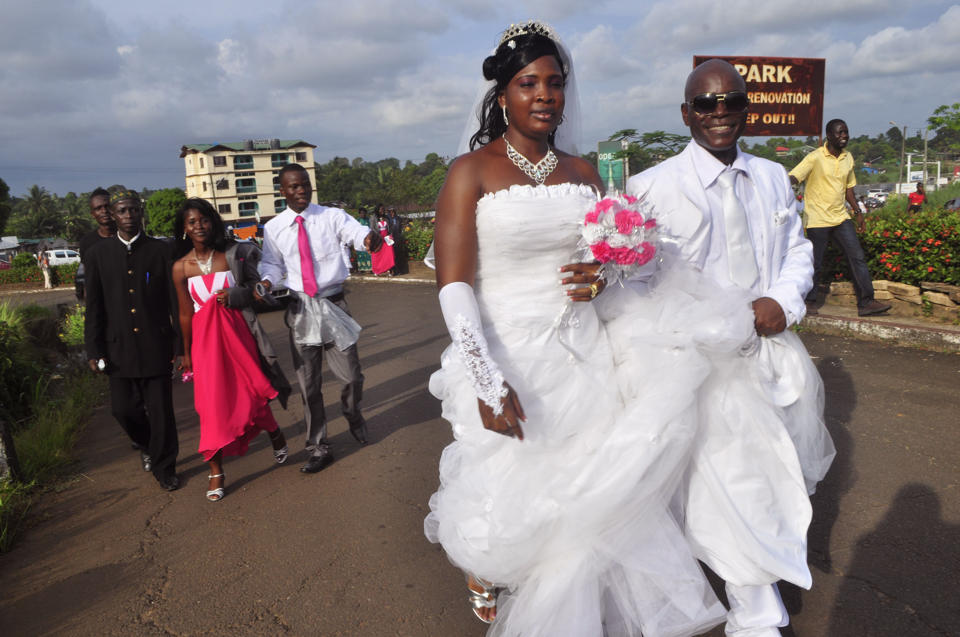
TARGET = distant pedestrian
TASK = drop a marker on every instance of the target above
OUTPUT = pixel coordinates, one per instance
(44, 263)
(916, 199)
(829, 177)
(395, 224)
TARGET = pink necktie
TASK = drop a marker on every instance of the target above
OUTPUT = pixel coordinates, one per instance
(306, 260)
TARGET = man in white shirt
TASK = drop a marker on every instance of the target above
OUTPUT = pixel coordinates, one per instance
(732, 216)
(302, 248)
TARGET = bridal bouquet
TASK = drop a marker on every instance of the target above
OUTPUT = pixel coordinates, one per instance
(619, 232)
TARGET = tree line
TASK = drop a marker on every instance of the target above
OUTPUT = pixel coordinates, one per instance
(414, 186)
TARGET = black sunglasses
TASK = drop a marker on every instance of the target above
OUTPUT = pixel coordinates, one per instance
(706, 103)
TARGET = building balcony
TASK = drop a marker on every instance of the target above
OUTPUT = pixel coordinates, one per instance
(246, 189)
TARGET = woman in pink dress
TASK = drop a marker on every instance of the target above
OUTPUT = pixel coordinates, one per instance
(234, 368)
(382, 260)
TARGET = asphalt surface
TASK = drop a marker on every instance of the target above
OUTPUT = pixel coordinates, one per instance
(342, 552)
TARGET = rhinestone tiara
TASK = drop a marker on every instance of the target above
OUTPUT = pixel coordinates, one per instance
(528, 28)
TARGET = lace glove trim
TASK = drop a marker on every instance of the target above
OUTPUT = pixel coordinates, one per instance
(462, 316)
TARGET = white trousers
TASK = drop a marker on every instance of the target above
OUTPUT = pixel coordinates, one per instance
(755, 611)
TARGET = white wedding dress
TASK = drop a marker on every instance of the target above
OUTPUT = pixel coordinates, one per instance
(573, 521)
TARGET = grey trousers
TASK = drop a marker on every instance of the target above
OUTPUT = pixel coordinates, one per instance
(345, 365)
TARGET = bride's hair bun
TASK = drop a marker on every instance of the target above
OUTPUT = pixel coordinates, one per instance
(490, 68)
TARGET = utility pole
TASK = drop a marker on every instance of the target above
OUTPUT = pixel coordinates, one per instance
(926, 131)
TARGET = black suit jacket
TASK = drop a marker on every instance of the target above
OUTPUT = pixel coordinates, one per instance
(130, 307)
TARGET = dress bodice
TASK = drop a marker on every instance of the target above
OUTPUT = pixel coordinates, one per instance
(202, 287)
(524, 233)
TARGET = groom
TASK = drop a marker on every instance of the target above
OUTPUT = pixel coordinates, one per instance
(732, 216)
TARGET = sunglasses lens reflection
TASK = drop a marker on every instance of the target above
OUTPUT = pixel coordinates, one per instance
(735, 102)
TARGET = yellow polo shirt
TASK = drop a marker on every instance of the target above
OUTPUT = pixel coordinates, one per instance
(827, 178)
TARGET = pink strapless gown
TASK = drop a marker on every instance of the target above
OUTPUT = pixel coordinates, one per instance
(382, 260)
(230, 390)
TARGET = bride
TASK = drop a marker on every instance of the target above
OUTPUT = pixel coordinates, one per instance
(554, 495)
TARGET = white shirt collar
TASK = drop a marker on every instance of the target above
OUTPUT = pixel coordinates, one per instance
(130, 242)
(709, 167)
(290, 216)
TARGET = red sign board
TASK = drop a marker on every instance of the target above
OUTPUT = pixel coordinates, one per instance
(786, 94)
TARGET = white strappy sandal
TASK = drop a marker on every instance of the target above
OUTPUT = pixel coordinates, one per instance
(280, 455)
(215, 495)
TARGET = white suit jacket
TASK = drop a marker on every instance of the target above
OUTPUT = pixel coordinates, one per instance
(784, 255)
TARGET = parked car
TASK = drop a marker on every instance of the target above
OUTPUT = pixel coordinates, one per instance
(62, 257)
(879, 194)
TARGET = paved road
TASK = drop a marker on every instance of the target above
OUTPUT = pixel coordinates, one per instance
(342, 552)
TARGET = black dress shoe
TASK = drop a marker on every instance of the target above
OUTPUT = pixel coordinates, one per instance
(359, 433)
(317, 462)
(145, 459)
(170, 482)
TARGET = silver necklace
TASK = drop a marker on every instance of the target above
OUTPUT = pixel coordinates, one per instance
(536, 171)
(205, 266)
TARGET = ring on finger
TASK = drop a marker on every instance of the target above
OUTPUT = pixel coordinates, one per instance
(594, 290)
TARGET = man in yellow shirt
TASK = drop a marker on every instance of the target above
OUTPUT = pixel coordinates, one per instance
(828, 172)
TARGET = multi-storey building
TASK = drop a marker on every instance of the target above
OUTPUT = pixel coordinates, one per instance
(242, 180)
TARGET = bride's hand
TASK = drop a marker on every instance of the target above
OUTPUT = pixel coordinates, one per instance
(508, 422)
(587, 274)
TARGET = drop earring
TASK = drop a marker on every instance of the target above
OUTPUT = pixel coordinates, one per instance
(505, 120)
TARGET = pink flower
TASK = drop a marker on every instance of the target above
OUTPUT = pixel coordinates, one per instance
(605, 204)
(624, 256)
(650, 224)
(630, 199)
(602, 251)
(592, 217)
(624, 221)
(647, 251)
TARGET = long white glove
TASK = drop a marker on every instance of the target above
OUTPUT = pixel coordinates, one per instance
(462, 316)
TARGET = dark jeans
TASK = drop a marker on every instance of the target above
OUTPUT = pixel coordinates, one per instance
(845, 237)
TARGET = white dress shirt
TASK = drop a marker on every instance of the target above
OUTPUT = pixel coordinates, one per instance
(328, 229)
(708, 170)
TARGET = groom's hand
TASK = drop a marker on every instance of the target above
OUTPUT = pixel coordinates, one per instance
(769, 318)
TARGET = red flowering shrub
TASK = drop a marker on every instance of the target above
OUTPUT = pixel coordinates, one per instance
(924, 246)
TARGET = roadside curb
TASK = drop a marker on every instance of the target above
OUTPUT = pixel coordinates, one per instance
(946, 340)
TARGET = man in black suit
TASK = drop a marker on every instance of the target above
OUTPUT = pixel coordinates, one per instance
(130, 335)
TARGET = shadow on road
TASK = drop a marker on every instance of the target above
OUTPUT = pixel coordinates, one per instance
(899, 579)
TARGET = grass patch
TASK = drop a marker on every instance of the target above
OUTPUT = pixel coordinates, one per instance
(44, 447)
(46, 397)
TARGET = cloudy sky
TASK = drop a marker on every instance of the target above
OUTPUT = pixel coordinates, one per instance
(97, 92)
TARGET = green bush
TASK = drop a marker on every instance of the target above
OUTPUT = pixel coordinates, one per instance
(59, 274)
(71, 327)
(21, 373)
(418, 236)
(24, 260)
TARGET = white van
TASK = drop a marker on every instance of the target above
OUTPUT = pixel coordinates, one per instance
(62, 257)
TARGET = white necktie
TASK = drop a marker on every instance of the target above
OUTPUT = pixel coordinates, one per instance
(740, 255)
